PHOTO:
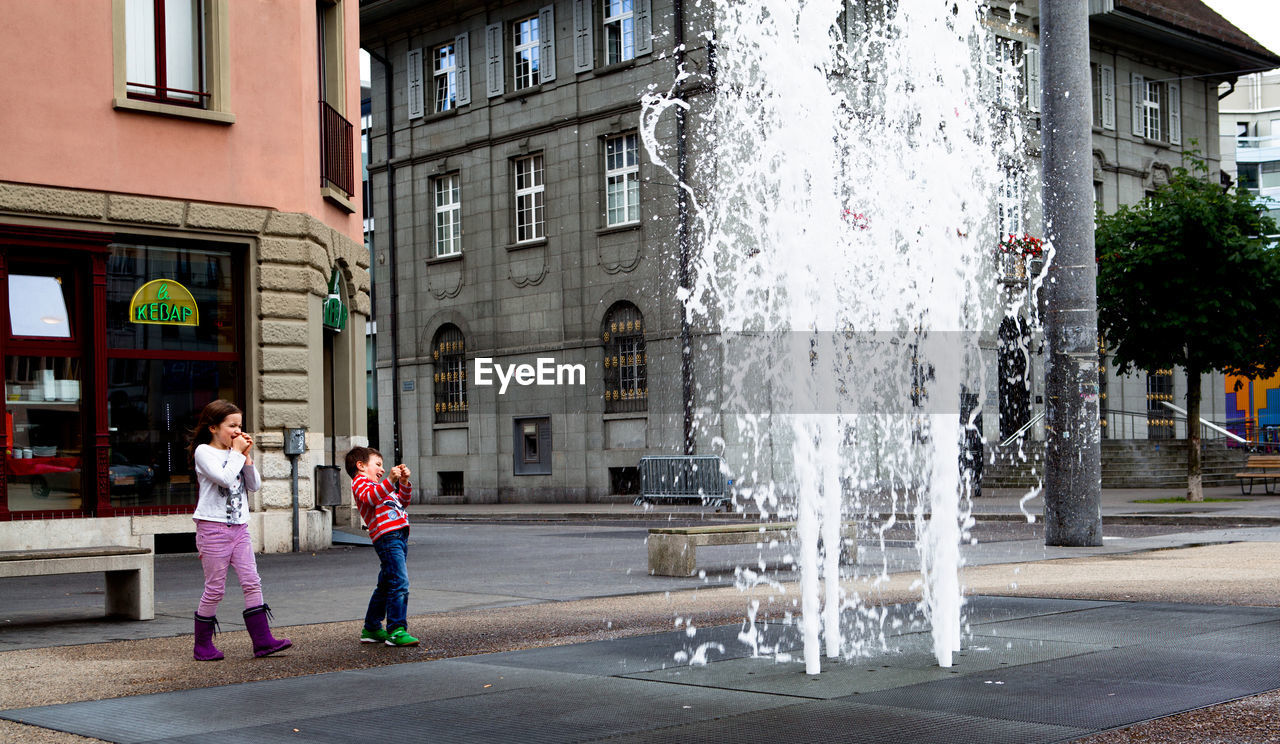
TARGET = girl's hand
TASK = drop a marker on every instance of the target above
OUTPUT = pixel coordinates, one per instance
(242, 443)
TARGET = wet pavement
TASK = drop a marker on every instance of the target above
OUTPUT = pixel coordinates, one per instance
(1033, 669)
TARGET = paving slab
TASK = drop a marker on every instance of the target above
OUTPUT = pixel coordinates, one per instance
(1031, 671)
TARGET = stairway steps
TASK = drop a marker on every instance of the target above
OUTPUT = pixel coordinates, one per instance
(1125, 464)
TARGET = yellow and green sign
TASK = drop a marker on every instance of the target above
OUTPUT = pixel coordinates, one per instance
(164, 302)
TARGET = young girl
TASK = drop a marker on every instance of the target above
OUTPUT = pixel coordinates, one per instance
(220, 455)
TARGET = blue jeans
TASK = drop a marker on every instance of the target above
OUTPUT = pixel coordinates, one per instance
(391, 598)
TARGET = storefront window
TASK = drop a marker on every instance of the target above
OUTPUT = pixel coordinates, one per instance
(170, 328)
(38, 307)
(45, 428)
(206, 272)
(160, 375)
(151, 408)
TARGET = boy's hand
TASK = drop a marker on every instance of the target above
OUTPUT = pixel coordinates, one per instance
(404, 471)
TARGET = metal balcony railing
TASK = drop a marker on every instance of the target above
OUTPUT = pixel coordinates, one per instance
(337, 151)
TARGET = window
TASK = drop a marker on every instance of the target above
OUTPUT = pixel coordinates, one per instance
(1016, 73)
(622, 180)
(619, 31)
(1242, 129)
(1269, 175)
(524, 37)
(1009, 204)
(1156, 109)
(626, 386)
(451, 484)
(1248, 176)
(38, 306)
(612, 31)
(532, 44)
(450, 377)
(165, 51)
(1104, 96)
(159, 377)
(171, 58)
(1159, 418)
(1151, 110)
(1014, 384)
(445, 75)
(530, 212)
(532, 446)
(448, 216)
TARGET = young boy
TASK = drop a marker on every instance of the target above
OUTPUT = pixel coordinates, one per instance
(381, 504)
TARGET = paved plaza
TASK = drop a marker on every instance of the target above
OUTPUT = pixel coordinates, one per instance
(1036, 668)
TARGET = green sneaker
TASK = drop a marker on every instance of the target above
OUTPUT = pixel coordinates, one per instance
(401, 637)
(373, 636)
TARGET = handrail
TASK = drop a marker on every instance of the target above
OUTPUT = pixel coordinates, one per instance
(1023, 430)
(1209, 424)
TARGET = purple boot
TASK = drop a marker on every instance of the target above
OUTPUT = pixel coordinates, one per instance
(205, 629)
(255, 620)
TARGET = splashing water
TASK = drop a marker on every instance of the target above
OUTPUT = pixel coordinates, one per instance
(846, 161)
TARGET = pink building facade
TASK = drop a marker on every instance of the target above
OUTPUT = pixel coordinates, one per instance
(179, 221)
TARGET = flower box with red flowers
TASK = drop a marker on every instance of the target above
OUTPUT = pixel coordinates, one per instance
(1025, 245)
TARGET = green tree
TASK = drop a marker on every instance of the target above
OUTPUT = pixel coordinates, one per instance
(1187, 278)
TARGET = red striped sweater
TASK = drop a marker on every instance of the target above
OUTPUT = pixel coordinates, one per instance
(382, 504)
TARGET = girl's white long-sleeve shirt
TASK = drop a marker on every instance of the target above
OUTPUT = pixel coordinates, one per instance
(225, 478)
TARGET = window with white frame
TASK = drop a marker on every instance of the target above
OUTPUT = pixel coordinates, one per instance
(1156, 109)
(622, 179)
(444, 70)
(530, 192)
(1009, 204)
(1151, 110)
(165, 51)
(1009, 80)
(448, 214)
(1014, 74)
(525, 51)
(619, 31)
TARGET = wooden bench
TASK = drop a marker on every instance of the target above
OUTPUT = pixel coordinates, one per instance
(1260, 467)
(130, 573)
(673, 551)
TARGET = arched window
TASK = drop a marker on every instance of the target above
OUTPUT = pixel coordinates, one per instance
(626, 385)
(450, 378)
(1159, 419)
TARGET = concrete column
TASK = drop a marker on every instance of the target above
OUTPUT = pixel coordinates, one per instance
(1073, 472)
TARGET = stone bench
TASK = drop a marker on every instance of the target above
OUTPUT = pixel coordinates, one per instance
(673, 551)
(1260, 467)
(130, 573)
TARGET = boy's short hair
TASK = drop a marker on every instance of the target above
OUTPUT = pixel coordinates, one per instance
(358, 455)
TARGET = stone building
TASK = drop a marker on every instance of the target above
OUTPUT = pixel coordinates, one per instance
(178, 223)
(520, 219)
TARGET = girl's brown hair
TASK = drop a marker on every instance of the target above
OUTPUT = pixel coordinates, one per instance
(212, 415)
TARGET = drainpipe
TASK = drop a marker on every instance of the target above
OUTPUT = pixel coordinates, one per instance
(682, 201)
(391, 258)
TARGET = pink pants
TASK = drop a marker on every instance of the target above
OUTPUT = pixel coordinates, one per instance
(220, 546)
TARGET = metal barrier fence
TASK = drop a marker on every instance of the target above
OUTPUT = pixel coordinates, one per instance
(683, 477)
